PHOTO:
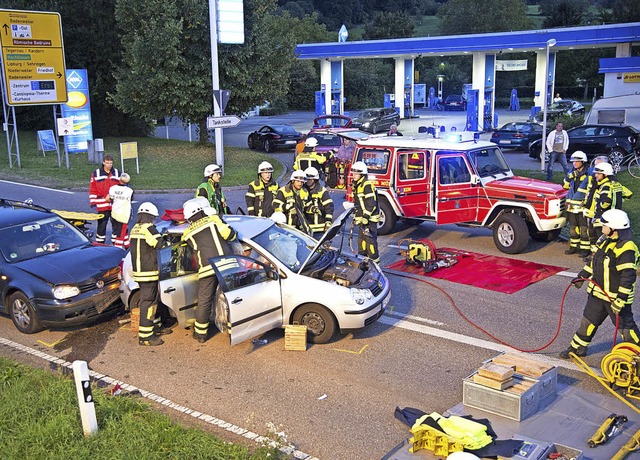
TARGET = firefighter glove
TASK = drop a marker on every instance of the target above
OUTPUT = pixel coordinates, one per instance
(366, 232)
(617, 305)
(577, 282)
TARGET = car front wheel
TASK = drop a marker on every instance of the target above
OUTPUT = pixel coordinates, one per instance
(23, 315)
(510, 233)
(321, 325)
(374, 128)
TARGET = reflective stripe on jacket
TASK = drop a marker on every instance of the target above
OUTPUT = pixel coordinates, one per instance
(208, 237)
(145, 239)
(365, 199)
(260, 197)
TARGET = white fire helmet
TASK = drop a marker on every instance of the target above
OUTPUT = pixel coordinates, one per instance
(615, 219)
(311, 142)
(578, 155)
(265, 166)
(148, 208)
(278, 218)
(604, 168)
(193, 206)
(359, 168)
(311, 173)
(211, 169)
(298, 175)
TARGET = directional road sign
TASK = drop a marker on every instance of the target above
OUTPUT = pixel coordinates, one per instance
(32, 57)
(225, 121)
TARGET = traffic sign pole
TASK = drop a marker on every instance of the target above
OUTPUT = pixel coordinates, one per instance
(215, 78)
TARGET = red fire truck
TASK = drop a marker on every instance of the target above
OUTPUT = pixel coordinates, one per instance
(460, 180)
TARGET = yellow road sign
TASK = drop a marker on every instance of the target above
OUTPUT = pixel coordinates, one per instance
(33, 63)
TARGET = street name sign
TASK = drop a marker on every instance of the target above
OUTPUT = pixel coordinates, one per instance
(33, 65)
(225, 121)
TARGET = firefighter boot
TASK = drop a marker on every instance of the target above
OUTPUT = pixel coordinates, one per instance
(151, 341)
(565, 354)
(571, 250)
(201, 338)
(159, 329)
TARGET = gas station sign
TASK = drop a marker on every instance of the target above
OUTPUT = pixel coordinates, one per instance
(33, 65)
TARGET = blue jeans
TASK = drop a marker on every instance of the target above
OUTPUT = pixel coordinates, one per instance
(562, 158)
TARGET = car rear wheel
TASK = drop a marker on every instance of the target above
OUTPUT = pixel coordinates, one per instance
(387, 218)
(134, 300)
(267, 146)
(250, 143)
(321, 325)
(616, 157)
(23, 315)
(510, 233)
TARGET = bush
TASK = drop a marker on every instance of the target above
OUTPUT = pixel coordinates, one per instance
(277, 107)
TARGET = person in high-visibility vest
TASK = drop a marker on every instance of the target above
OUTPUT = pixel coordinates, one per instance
(293, 201)
(612, 281)
(262, 191)
(211, 189)
(320, 214)
(367, 211)
(145, 241)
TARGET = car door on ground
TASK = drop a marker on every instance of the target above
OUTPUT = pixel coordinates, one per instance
(252, 296)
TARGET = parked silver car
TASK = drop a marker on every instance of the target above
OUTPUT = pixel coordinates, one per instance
(278, 276)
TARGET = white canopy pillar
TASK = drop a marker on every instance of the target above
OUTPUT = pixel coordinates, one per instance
(399, 86)
(477, 82)
(325, 82)
(540, 77)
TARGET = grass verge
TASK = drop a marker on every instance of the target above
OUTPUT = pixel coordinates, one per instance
(39, 418)
(164, 164)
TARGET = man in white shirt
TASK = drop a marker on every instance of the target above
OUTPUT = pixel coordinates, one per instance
(120, 196)
(557, 145)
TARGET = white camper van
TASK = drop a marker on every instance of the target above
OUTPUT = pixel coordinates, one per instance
(624, 110)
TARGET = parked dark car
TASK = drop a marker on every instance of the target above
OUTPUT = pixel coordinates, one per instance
(376, 120)
(618, 142)
(52, 275)
(517, 135)
(326, 130)
(563, 107)
(274, 137)
(454, 102)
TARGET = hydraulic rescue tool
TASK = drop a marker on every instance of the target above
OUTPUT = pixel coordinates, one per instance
(632, 445)
(423, 253)
(608, 429)
(620, 367)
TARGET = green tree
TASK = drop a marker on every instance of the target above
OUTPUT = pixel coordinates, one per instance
(621, 11)
(563, 13)
(389, 25)
(480, 16)
(366, 81)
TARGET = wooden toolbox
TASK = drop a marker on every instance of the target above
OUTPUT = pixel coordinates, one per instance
(295, 337)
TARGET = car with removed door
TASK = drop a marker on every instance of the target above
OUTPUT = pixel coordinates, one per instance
(517, 135)
(276, 276)
(274, 137)
(618, 142)
(52, 275)
(376, 120)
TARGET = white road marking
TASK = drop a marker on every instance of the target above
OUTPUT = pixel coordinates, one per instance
(414, 318)
(37, 186)
(479, 343)
(260, 440)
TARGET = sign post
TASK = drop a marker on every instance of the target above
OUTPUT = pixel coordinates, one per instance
(129, 150)
(65, 128)
(225, 121)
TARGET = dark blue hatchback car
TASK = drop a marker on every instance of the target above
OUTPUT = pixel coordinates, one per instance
(51, 274)
(517, 135)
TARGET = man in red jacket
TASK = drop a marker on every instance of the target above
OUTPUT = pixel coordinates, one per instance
(101, 181)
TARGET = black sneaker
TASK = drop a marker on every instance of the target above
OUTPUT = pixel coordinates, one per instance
(565, 354)
(571, 250)
(201, 338)
(152, 341)
(161, 330)
(584, 253)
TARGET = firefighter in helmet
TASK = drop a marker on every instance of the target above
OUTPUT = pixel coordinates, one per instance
(320, 214)
(145, 240)
(575, 182)
(309, 157)
(261, 192)
(293, 201)
(211, 190)
(611, 275)
(367, 211)
(209, 236)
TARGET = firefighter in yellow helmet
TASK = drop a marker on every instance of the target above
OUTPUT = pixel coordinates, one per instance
(293, 201)
(320, 213)
(209, 236)
(145, 240)
(261, 192)
(367, 211)
(612, 282)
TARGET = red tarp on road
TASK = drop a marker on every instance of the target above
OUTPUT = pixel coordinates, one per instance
(488, 272)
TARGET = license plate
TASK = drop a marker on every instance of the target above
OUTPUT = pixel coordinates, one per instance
(505, 141)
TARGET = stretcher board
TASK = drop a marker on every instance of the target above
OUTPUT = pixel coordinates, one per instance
(75, 215)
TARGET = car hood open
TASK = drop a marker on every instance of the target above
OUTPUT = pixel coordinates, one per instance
(73, 265)
(330, 234)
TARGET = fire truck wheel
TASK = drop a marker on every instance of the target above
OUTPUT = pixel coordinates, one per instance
(510, 233)
(387, 218)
